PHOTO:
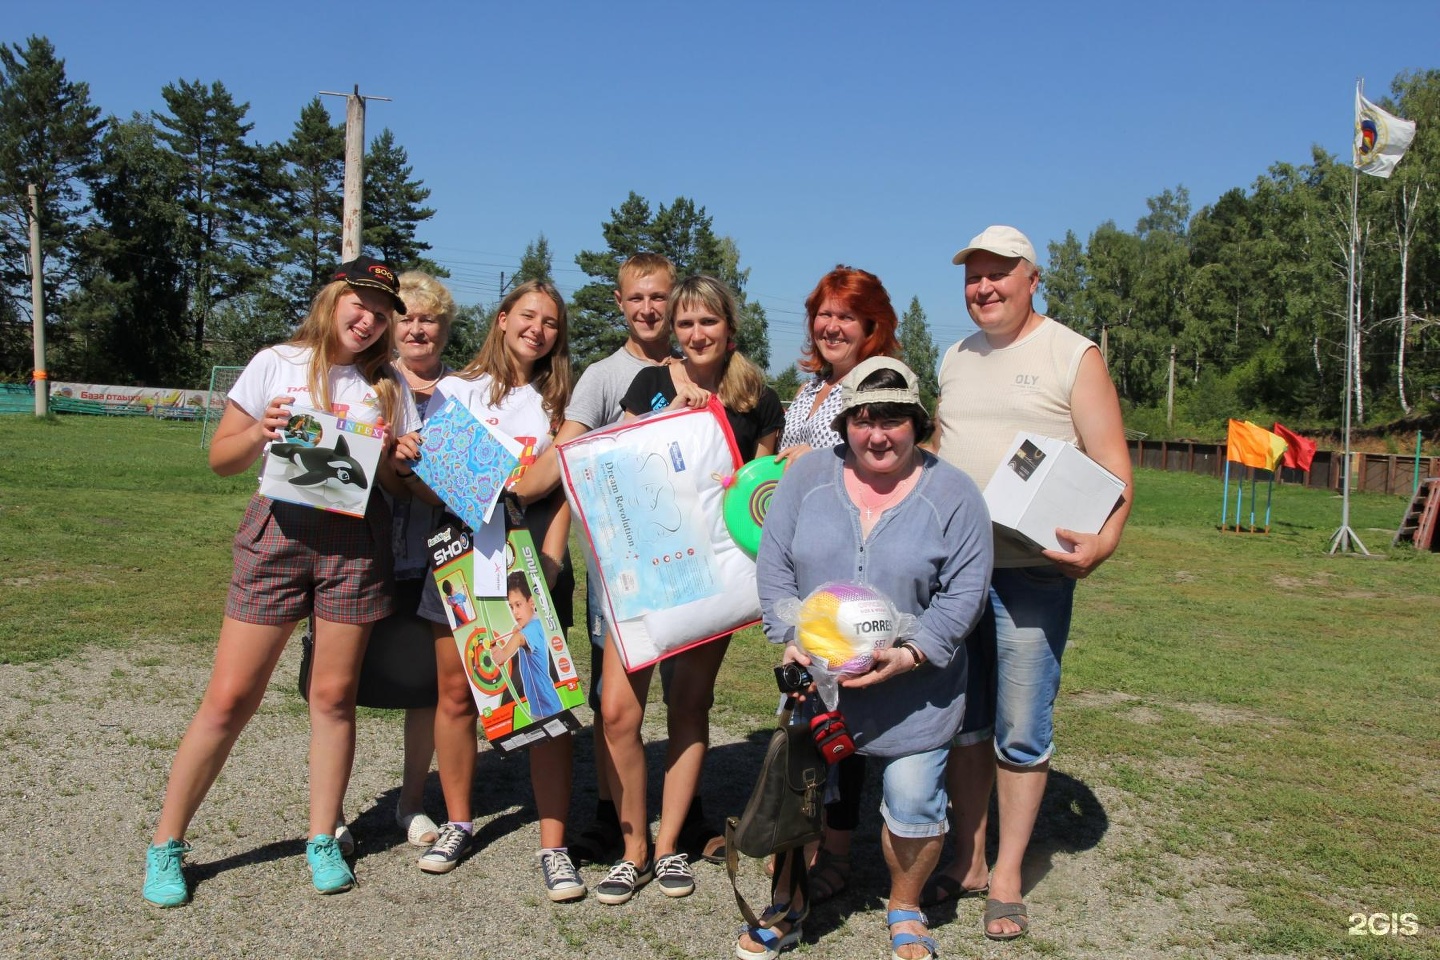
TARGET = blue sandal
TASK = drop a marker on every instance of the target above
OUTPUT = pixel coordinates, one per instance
(772, 942)
(898, 940)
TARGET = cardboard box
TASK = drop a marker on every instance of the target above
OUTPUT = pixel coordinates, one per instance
(323, 461)
(1043, 483)
(521, 673)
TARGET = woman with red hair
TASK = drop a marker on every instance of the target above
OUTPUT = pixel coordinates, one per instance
(849, 319)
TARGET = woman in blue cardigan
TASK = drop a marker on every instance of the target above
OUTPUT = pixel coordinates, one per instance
(880, 511)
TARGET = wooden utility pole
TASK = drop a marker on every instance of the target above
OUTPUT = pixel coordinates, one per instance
(352, 219)
(37, 307)
(1170, 392)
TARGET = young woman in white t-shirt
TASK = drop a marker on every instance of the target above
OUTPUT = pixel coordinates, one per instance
(519, 383)
(292, 561)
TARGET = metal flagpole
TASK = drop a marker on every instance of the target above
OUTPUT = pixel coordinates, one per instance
(1344, 539)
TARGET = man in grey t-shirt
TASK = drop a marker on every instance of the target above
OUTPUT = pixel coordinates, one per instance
(642, 293)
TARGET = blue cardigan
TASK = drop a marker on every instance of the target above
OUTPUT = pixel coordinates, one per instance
(931, 555)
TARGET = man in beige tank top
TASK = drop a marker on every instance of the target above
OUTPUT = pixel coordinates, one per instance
(1021, 371)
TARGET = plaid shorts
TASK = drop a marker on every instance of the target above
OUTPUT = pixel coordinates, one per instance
(291, 561)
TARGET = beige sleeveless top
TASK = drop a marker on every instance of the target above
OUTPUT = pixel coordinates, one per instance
(988, 394)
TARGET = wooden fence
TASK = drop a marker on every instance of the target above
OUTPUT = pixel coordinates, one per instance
(1374, 472)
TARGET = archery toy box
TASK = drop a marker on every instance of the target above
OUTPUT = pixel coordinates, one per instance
(648, 495)
(520, 670)
(323, 461)
(1043, 483)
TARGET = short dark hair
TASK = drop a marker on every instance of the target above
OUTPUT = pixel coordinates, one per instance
(892, 379)
(518, 582)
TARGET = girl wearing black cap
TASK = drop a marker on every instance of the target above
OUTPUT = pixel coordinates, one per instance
(292, 561)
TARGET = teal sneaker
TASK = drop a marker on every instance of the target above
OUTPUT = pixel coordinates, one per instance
(164, 880)
(328, 868)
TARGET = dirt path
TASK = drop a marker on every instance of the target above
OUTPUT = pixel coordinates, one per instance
(88, 742)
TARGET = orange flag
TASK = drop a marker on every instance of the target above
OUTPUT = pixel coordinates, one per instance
(1252, 445)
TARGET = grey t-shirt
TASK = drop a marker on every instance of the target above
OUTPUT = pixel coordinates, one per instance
(596, 400)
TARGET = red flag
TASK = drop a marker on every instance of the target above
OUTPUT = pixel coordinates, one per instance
(1300, 452)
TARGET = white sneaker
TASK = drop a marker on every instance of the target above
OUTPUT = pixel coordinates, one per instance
(345, 839)
(420, 830)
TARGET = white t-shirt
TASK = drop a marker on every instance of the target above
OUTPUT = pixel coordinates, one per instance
(284, 371)
(520, 413)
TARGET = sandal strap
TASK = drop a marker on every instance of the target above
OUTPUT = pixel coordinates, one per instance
(900, 916)
(905, 939)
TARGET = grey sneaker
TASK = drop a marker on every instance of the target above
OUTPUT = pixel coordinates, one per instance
(446, 851)
(673, 876)
(562, 881)
(622, 881)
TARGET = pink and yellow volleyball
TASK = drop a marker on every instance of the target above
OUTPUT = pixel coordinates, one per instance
(841, 624)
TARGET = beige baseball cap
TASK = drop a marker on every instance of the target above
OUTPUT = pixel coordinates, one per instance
(1002, 241)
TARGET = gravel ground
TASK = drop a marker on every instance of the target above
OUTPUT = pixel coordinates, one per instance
(89, 741)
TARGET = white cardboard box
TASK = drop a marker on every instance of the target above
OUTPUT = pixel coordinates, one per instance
(323, 461)
(1043, 483)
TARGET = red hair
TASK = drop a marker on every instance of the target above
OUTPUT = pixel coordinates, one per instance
(862, 293)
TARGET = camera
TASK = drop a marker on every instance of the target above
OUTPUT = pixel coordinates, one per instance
(792, 678)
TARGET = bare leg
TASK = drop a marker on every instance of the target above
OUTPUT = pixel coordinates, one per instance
(455, 717)
(692, 693)
(334, 678)
(550, 779)
(244, 659)
(911, 860)
(419, 751)
(622, 703)
(969, 778)
(1021, 790)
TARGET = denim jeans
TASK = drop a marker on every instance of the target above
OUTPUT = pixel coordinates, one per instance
(1015, 654)
(913, 798)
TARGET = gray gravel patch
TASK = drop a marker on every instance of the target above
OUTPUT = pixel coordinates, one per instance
(88, 742)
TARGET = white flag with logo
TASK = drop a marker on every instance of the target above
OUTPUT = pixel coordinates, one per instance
(1380, 138)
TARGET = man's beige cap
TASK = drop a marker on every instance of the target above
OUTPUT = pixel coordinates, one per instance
(1002, 241)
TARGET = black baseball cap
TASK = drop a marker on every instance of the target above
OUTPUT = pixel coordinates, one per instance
(369, 272)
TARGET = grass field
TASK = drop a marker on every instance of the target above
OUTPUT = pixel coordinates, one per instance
(1269, 710)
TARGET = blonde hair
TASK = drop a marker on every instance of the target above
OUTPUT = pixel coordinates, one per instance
(317, 331)
(741, 382)
(422, 293)
(645, 265)
(551, 376)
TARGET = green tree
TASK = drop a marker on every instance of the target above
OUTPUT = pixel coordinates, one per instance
(786, 383)
(311, 198)
(393, 208)
(49, 133)
(681, 231)
(224, 190)
(536, 263)
(918, 350)
(130, 323)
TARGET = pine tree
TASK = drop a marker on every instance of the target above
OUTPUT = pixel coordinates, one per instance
(392, 208)
(311, 200)
(224, 191)
(681, 231)
(49, 133)
(130, 323)
(918, 351)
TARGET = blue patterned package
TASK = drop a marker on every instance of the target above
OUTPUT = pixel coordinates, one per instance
(465, 462)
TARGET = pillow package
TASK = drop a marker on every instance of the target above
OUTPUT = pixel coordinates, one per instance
(648, 496)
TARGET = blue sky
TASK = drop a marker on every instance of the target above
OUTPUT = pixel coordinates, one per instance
(878, 135)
